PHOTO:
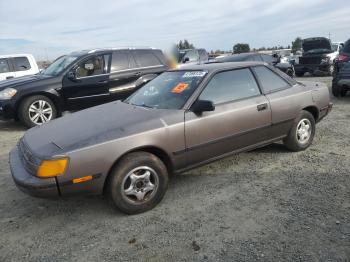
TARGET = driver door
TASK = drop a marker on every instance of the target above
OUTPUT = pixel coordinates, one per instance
(88, 86)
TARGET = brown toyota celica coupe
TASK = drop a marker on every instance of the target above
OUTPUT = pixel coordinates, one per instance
(180, 120)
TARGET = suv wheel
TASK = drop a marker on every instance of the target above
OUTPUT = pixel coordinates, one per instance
(302, 132)
(36, 110)
(138, 183)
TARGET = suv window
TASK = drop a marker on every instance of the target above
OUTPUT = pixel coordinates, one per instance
(21, 63)
(146, 58)
(203, 55)
(91, 67)
(269, 80)
(4, 66)
(192, 55)
(231, 85)
(120, 61)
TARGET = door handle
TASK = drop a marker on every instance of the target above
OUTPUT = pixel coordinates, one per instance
(102, 82)
(137, 74)
(262, 107)
(9, 77)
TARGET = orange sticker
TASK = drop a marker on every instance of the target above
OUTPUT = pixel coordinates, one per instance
(179, 88)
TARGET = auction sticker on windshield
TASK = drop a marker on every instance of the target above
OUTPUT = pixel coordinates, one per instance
(194, 74)
(179, 88)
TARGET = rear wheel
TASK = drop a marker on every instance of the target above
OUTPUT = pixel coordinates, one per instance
(338, 91)
(138, 183)
(302, 132)
(36, 110)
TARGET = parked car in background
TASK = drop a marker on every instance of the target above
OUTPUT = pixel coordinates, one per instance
(182, 119)
(316, 57)
(79, 80)
(271, 60)
(341, 78)
(12, 66)
(193, 56)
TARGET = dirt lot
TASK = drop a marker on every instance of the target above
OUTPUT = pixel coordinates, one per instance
(266, 205)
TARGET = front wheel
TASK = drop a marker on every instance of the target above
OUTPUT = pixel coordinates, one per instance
(36, 110)
(138, 183)
(302, 132)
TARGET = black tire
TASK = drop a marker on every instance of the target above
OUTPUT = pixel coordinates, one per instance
(293, 140)
(338, 91)
(120, 180)
(299, 74)
(290, 72)
(24, 114)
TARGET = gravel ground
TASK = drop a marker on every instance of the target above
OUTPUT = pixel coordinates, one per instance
(268, 205)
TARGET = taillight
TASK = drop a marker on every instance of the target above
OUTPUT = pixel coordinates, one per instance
(343, 58)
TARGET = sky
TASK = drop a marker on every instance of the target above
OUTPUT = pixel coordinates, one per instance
(49, 29)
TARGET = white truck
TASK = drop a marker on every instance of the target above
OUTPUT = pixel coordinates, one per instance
(17, 65)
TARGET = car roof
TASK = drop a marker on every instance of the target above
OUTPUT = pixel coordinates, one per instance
(99, 50)
(214, 66)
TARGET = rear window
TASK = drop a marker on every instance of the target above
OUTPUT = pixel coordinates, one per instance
(4, 66)
(120, 61)
(21, 63)
(146, 58)
(269, 80)
(267, 59)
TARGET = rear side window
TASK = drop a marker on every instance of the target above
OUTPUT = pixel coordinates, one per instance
(21, 63)
(146, 58)
(203, 55)
(120, 61)
(269, 80)
(231, 85)
(4, 66)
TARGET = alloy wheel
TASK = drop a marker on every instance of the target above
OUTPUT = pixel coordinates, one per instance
(40, 112)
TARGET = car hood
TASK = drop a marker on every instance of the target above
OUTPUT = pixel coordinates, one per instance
(317, 45)
(24, 81)
(91, 127)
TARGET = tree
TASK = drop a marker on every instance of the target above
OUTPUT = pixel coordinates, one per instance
(185, 44)
(241, 48)
(296, 44)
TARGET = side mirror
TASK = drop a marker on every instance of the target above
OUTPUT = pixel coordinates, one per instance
(186, 59)
(201, 106)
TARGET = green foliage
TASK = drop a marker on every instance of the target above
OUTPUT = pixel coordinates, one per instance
(241, 48)
(297, 44)
(185, 44)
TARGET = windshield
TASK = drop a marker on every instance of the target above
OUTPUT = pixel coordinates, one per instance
(334, 47)
(59, 65)
(170, 90)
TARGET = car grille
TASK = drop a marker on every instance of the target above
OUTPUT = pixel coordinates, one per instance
(310, 60)
(30, 162)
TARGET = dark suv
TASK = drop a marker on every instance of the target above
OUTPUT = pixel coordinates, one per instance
(79, 80)
(193, 56)
(341, 79)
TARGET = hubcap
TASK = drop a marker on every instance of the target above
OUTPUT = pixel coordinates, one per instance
(140, 184)
(304, 131)
(40, 112)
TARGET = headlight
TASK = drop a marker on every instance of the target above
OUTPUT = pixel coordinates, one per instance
(7, 93)
(52, 168)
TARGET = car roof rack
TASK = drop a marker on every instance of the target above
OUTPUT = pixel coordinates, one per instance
(119, 48)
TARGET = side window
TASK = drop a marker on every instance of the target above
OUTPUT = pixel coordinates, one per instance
(267, 59)
(191, 56)
(203, 55)
(146, 58)
(21, 63)
(4, 66)
(91, 67)
(258, 58)
(269, 80)
(120, 61)
(231, 85)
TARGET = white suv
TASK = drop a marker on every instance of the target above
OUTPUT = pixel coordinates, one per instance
(17, 65)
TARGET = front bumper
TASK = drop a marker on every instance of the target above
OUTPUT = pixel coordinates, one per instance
(28, 183)
(7, 110)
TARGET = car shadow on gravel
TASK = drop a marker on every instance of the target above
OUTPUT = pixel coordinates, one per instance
(272, 148)
(12, 126)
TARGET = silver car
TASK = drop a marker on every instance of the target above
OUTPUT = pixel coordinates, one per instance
(182, 119)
